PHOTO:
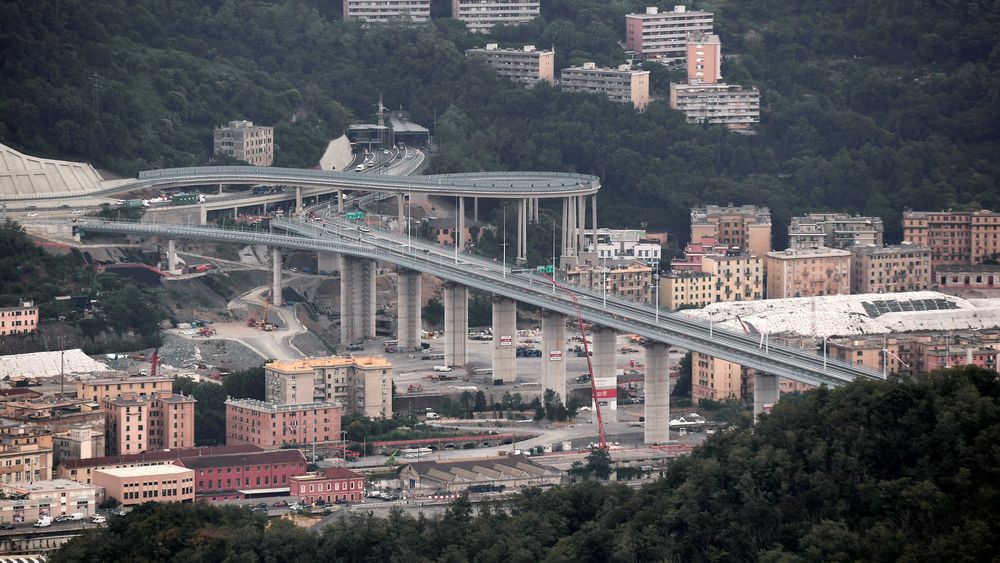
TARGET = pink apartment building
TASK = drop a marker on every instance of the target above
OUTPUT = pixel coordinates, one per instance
(272, 426)
(137, 423)
(19, 320)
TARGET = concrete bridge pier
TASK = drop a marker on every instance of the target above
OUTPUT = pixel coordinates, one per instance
(340, 201)
(504, 338)
(604, 366)
(276, 286)
(172, 257)
(357, 299)
(202, 214)
(456, 324)
(522, 230)
(461, 224)
(298, 199)
(657, 406)
(553, 353)
(327, 261)
(766, 392)
(408, 309)
(400, 216)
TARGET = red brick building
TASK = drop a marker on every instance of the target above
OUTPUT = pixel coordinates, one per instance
(241, 476)
(330, 485)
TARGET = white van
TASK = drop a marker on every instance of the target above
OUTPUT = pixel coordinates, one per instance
(76, 516)
(432, 415)
(359, 168)
(442, 368)
(44, 522)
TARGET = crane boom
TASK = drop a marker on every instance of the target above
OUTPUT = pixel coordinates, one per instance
(586, 353)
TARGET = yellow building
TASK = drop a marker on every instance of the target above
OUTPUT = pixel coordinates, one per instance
(686, 290)
(716, 379)
(747, 227)
(736, 278)
(361, 384)
(808, 272)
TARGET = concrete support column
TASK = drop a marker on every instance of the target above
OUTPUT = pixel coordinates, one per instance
(172, 257)
(327, 262)
(604, 366)
(220, 189)
(521, 220)
(593, 220)
(581, 203)
(408, 310)
(357, 299)
(276, 287)
(461, 223)
(564, 230)
(571, 227)
(504, 336)
(400, 217)
(553, 353)
(298, 199)
(203, 214)
(766, 392)
(475, 209)
(456, 324)
(657, 408)
(340, 201)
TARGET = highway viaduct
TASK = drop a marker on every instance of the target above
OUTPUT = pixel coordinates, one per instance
(359, 251)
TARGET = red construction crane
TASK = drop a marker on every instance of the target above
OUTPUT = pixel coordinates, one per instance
(154, 361)
(586, 353)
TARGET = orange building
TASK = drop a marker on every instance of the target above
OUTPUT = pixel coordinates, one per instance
(272, 426)
(94, 390)
(954, 237)
(137, 423)
(747, 227)
(132, 486)
(19, 320)
(360, 384)
(808, 272)
(663, 35)
(704, 58)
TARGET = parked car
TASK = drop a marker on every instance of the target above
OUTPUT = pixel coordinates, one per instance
(262, 505)
(340, 501)
(6, 526)
(280, 504)
(62, 518)
(98, 519)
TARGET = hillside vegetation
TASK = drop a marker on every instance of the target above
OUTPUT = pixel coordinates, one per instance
(867, 107)
(875, 471)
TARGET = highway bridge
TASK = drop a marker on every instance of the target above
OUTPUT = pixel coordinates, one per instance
(359, 250)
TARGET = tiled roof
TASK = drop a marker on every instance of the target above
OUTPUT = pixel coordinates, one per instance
(159, 455)
(252, 458)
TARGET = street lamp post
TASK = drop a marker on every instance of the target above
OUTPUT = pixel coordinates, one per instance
(656, 299)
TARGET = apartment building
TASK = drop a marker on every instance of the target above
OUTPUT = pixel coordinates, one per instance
(746, 228)
(704, 58)
(22, 319)
(25, 456)
(527, 65)
(808, 272)
(237, 476)
(271, 426)
(132, 486)
(481, 15)
(918, 353)
(630, 280)
(360, 384)
(888, 269)
(383, 11)
(663, 36)
(834, 230)
(717, 104)
(82, 470)
(696, 251)
(624, 244)
(135, 423)
(735, 277)
(96, 390)
(619, 85)
(330, 485)
(716, 379)
(685, 290)
(253, 144)
(954, 237)
(82, 441)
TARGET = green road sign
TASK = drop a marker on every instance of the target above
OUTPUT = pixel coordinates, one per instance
(545, 269)
(355, 215)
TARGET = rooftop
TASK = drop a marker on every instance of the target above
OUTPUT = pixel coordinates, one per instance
(309, 364)
(249, 458)
(144, 470)
(50, 485)
(158, 456)
(117, 380)
(871, 249)
(821, 252)
(275, 407)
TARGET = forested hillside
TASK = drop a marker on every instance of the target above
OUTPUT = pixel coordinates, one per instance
(875, 471)
(867, 106)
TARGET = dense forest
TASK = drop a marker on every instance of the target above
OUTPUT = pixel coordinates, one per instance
(874, 471)
(867, 107)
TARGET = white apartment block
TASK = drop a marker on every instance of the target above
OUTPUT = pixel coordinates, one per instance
(253, 144)
(663, 36)
(481, 15)
(619, 85)
(725, 104)
(624, 244)
(527, 65)
(834, 230)
(382, 11)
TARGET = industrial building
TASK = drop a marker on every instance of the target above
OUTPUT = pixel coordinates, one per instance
(383, 11)
(244, 475)
(132, 486)
(527, 65)
(622, 84)
(82, 470)
(513, 472)
(663, 36)
(481, 15)
(242, 140)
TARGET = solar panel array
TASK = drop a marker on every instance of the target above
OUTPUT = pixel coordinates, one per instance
(878, 308)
